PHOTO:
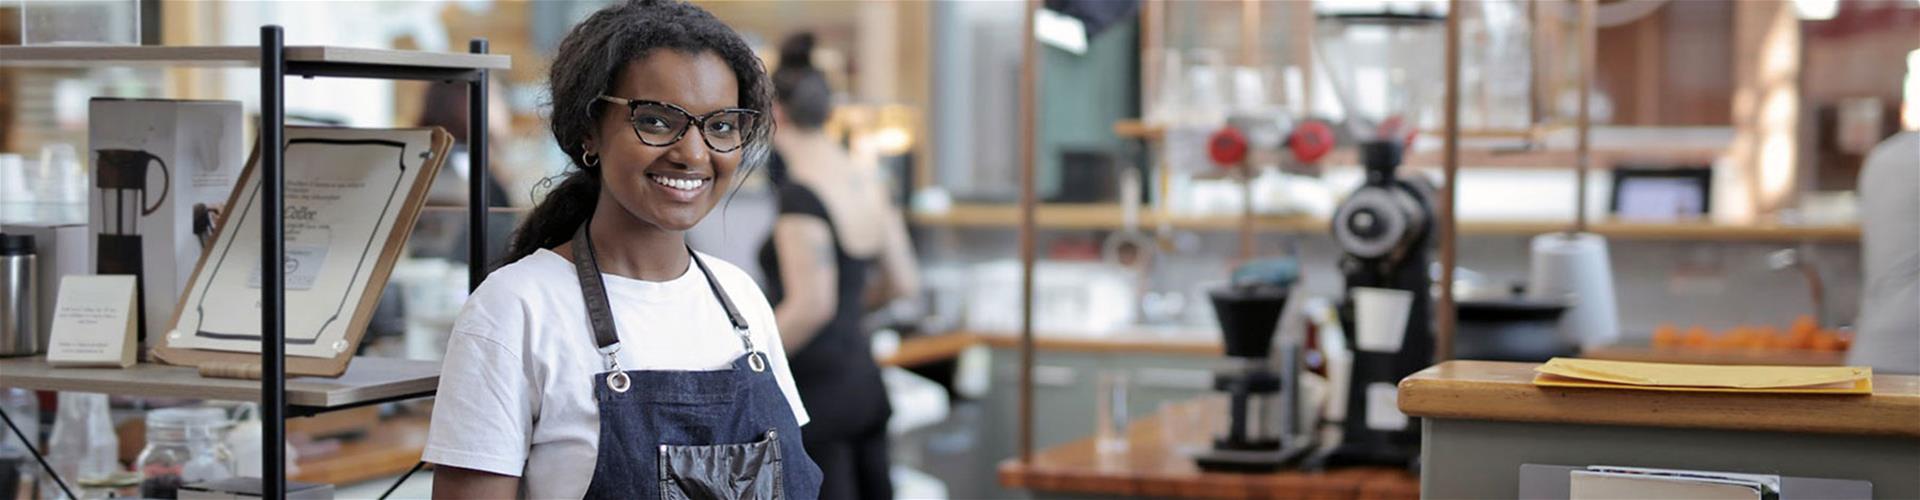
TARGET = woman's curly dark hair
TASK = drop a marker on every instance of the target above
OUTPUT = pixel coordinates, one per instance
(589, 63)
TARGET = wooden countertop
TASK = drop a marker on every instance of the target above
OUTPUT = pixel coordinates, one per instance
(922, 349)
(1490, 390)
(389, 449)
(1153, 465)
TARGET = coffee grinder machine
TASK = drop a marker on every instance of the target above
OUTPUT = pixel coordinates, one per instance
(121, 175)
(1259, 434)
(1385, 67)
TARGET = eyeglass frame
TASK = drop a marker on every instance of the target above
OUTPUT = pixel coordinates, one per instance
(633, 105)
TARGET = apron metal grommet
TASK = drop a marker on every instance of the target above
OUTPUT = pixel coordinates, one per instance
(755, 362)
(619, 382)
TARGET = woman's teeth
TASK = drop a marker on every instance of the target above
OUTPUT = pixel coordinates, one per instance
(680, 184)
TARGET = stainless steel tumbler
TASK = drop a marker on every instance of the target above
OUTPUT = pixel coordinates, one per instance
(19, 297)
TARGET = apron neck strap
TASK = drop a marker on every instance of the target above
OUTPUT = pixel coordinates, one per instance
(594, 289)
(733, 313)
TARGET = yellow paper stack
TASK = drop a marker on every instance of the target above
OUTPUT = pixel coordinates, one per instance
(1602, 374)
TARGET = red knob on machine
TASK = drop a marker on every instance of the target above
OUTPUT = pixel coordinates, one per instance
(1227, 147)
(1395, 128)
(1310, 141)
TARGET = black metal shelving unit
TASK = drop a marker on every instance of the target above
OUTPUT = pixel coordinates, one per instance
(274, 69)
(385, 380)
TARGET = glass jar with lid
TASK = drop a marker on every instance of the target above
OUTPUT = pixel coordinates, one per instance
(184, 446)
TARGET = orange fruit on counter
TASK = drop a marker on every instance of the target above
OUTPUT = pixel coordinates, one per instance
(1804, 333)
(1832, 340)
(1734, 337)
(1666, 335)
(1780, 340)
(1698, 337)
(1804, 323)
(1801, 339)
(1825, 341)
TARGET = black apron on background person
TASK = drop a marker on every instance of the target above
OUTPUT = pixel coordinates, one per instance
(713, 434)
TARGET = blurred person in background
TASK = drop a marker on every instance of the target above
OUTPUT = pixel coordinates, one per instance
(1888, 331)
(839, 248)
(443, 234)
(444, 105)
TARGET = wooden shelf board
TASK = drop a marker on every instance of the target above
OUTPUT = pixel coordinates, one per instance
(938, 347)
(59, 56)
(1117, 342)
(1136, 129)
(366, 379)
(1503, 391)
(463, 209)
(1472, 157)
(1098, 216)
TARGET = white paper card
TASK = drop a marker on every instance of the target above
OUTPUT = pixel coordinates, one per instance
(1383, 408)
(93, 323)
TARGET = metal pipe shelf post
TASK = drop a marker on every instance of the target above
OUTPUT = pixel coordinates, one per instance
(273, 293)
(274, 69)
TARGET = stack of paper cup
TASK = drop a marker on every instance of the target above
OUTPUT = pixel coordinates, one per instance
(1573, 268)
(1380, 318)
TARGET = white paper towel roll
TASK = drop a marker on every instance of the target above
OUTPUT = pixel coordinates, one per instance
(1574, 268)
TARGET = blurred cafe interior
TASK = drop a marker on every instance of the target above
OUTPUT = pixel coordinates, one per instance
(1073, 248)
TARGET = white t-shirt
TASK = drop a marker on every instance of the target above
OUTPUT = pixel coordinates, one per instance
(516, 388)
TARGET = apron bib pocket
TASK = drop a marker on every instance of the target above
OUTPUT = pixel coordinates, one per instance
(723, 471)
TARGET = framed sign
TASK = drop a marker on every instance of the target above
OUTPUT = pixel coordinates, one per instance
(352, 197)
(1661, 194)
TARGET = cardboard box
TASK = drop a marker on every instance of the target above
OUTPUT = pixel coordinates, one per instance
(161, 171)
(61, 250)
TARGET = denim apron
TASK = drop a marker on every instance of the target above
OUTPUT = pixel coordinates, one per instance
(716, 434)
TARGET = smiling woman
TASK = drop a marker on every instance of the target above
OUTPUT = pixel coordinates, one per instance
(648, 167)
(595, 60)
(658, 105)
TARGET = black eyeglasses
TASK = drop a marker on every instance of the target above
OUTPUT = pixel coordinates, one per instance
(660, 124)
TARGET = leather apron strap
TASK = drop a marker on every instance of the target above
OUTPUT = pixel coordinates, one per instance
(593, 289)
